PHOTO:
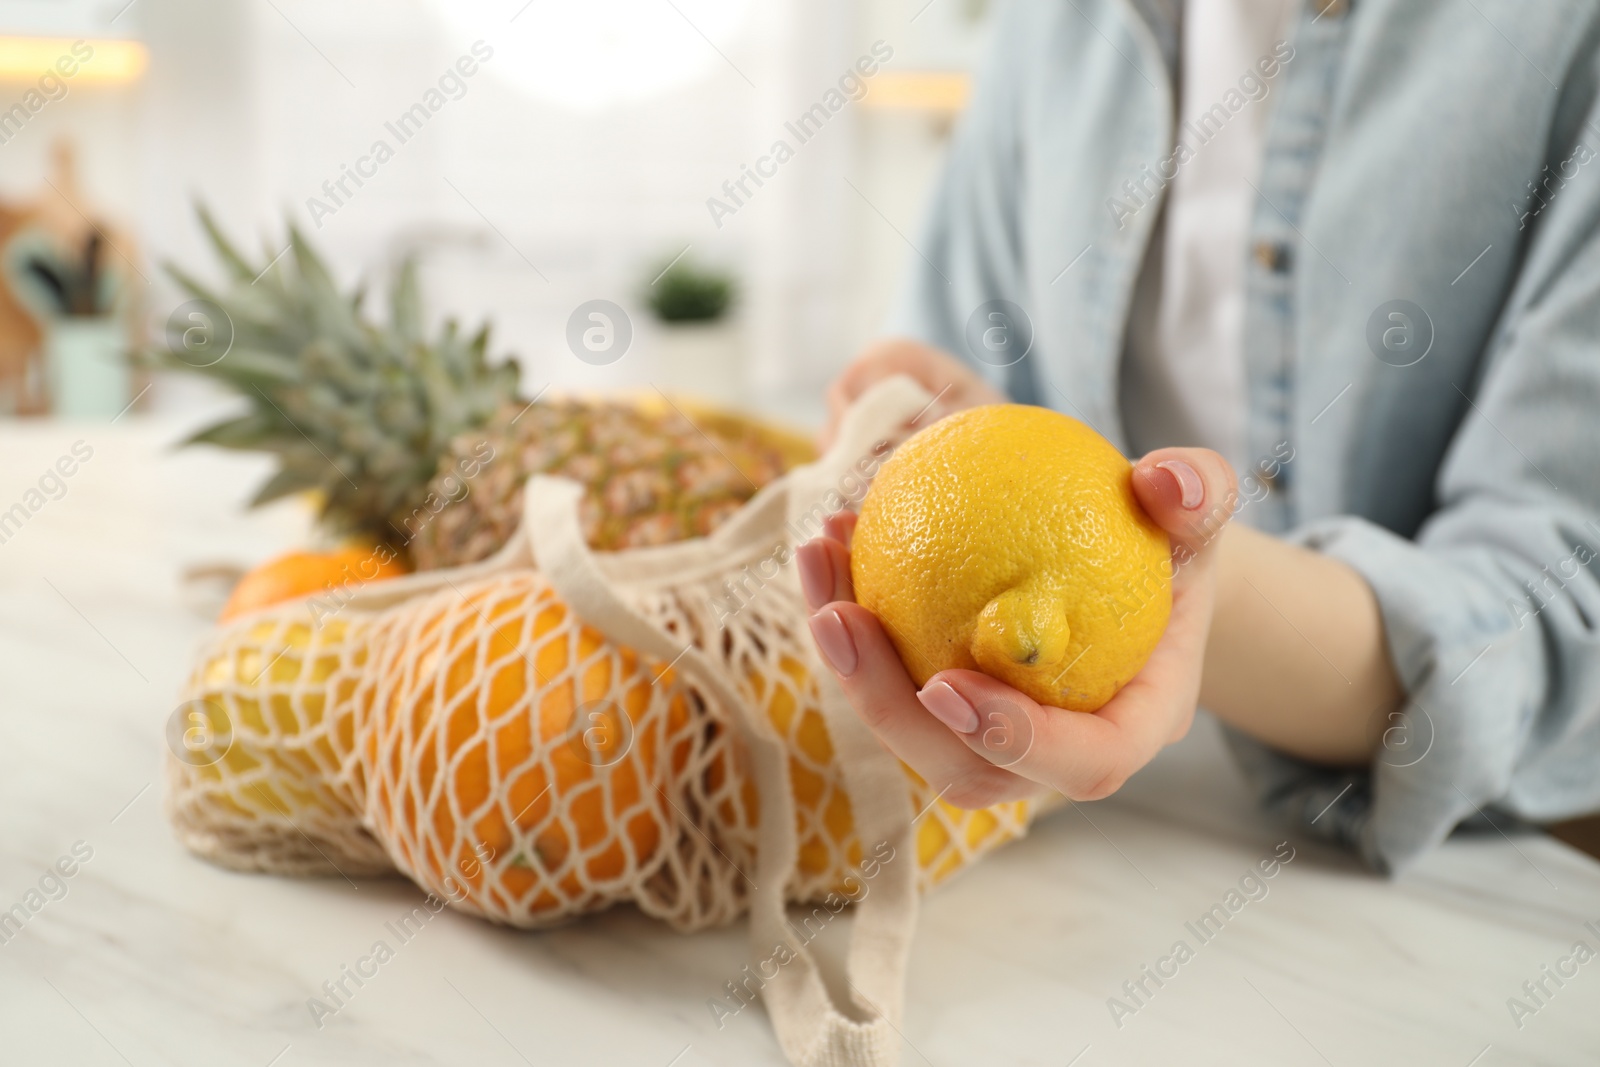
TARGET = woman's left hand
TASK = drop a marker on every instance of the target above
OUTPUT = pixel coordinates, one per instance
(979, 741)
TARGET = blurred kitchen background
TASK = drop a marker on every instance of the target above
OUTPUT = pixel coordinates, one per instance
(576, 163)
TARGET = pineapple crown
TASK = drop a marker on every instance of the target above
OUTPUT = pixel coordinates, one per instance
(359, 411)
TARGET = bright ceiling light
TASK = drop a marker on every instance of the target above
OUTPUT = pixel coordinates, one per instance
(102, 61)
(594, 53)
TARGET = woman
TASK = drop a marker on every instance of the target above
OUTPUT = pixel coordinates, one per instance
(1357, 262)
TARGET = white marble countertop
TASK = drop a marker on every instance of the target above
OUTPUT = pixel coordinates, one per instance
(152, 957)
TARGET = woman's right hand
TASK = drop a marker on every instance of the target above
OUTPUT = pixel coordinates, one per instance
(954, 385)
(981, 742)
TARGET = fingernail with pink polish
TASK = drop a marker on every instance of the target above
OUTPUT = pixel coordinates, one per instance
(816, 573)
(834, 642)
(1192, 491)
(949, 707)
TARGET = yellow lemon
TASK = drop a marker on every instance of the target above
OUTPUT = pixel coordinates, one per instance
(1007, 539)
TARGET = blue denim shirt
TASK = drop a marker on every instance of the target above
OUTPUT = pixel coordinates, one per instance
(1422, 336)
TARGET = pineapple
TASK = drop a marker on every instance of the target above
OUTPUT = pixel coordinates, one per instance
(651, 478)
(424, 445)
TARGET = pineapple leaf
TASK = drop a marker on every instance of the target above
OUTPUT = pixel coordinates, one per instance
(231, 259)
(478, 347)
(286, 482)
(405, 304)
(330, 314)
(361, 409)
(247, 432)
(189, 284)
(251, 368)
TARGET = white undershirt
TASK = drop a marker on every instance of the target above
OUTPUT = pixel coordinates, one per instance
(1183, 376)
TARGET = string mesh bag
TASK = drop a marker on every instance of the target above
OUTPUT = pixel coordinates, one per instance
(519, 764)
(464, 729)
(256, 752)
(553, 731)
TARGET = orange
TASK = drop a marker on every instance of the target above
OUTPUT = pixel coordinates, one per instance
(528, 766)
(298, 574)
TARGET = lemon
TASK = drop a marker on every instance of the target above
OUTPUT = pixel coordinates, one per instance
(1007, 539)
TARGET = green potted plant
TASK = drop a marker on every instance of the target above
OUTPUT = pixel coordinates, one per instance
(700, 346)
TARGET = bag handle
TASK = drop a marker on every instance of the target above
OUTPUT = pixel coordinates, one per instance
(811, 1028)
(880, 798)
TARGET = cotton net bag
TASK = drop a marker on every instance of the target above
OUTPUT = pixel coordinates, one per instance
(553, 731)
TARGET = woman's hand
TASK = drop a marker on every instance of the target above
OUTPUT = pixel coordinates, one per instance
(979, 741)
(954, 385)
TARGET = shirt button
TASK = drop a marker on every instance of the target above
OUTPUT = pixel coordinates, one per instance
(1333, 9)
(1273, 256)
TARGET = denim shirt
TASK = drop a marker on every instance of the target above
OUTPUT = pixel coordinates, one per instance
(1421, 343)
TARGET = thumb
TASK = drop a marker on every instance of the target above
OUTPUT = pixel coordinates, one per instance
(1190, 492)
